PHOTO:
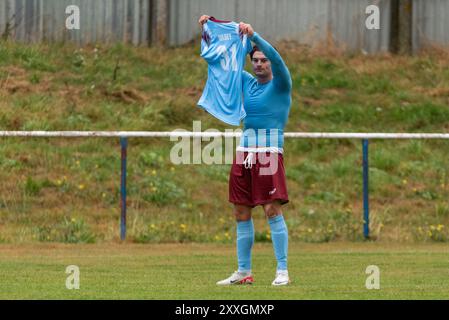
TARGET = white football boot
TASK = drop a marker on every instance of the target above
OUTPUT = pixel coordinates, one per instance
(237, 278)
(281, 279)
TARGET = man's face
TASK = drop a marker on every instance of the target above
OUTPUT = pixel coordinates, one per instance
(261, 65)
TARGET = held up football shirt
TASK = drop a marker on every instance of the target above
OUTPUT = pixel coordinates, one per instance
(225, 50)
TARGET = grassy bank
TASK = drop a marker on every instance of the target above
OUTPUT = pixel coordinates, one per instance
(67, 190)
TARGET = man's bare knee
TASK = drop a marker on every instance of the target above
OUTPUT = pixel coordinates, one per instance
(272, 214)
(272, 210)
(242, 213)
(242, 216)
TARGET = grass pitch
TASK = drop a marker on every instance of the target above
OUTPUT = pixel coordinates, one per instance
(189, 271)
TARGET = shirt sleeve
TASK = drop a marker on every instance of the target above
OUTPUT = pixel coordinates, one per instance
(206, 40)
(246, 77)
(281, 75)
(249, 46)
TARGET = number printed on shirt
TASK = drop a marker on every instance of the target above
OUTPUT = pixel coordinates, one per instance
(227, 61)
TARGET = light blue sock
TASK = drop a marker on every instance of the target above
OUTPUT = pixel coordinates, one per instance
(279, 236)
(245, 241)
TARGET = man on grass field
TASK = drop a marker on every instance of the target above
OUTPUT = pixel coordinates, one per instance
(254, 180)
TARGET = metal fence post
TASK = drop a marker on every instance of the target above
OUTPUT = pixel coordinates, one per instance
(365, 190)
(124, 147)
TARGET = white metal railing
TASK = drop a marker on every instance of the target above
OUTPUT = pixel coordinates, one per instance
(157, 134)
(124, 135)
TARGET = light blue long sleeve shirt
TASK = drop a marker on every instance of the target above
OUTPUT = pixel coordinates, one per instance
(267, 105)
(225, 50)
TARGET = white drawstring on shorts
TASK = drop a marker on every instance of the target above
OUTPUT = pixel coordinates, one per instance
(248, 163)
(249, 160)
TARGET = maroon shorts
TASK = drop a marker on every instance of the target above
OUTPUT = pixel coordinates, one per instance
(262, 183)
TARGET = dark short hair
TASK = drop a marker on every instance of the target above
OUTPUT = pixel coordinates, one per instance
(256, 48)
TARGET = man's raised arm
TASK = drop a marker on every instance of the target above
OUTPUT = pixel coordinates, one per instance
(281, 75)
